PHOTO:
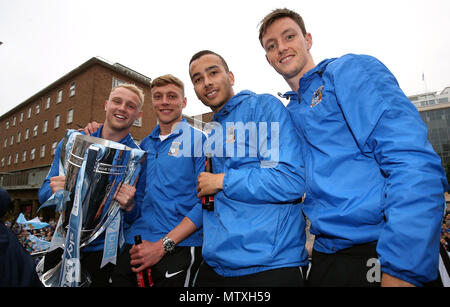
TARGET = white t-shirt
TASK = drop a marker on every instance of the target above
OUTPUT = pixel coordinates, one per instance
(163, 137)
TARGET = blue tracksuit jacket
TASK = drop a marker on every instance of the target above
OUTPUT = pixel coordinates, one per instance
(371, 173)
(166, 190)
(257, 223)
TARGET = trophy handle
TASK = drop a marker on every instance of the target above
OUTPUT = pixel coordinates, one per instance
(51, 277)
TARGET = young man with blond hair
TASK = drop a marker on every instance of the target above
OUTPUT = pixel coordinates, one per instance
(123, 107)
(170, 221)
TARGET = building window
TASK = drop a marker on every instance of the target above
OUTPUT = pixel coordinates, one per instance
(54, 148)
(33, 154)
(47, 103)
(59, 97)
(72, 89)
(57, 121)
(35, 130)
(24, 156)
(21, 117)
(16, 160)
(44, 128)
(9, 160)
(116, 82)
(3, 162)
(70, 116)
(7, 125)
(38, 109)
(29, 113)
(12, 140)
(43, 151)
(27, 132)
(5, 143)
(14, 121)
(19, 136)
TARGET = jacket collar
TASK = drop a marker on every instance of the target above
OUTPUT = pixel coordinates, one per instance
(290, 95)
(175, 131)
(124, 141)
(306, 80)
(232, 103)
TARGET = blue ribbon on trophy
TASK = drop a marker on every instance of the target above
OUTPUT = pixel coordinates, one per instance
(112, 232)
(70, 267)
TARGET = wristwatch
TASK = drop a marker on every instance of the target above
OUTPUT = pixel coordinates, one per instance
(168, 244)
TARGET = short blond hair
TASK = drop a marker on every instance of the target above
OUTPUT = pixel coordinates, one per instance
(134, 89)
(166, 80)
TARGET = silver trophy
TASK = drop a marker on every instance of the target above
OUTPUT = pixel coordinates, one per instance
(95, 169)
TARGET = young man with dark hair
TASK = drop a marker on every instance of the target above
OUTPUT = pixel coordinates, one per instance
(255, 233)
(374, 185)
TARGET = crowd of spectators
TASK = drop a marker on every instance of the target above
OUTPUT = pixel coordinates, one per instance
(27, 237)
(445, 232)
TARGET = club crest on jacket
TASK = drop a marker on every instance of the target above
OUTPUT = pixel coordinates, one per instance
(317, 97)
(174, 148)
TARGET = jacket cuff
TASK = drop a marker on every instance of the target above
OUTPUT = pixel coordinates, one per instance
(196, 215)
(402, 277)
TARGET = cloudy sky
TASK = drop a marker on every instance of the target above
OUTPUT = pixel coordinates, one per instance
(45, 39)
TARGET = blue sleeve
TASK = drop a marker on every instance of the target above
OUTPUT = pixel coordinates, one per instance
(196, 213)
(386, 125)
(280, 176)
(45, 191)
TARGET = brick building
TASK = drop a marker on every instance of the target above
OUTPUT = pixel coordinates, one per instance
(30, 132)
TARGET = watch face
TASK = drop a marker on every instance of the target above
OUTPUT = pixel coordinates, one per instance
(168, 244)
